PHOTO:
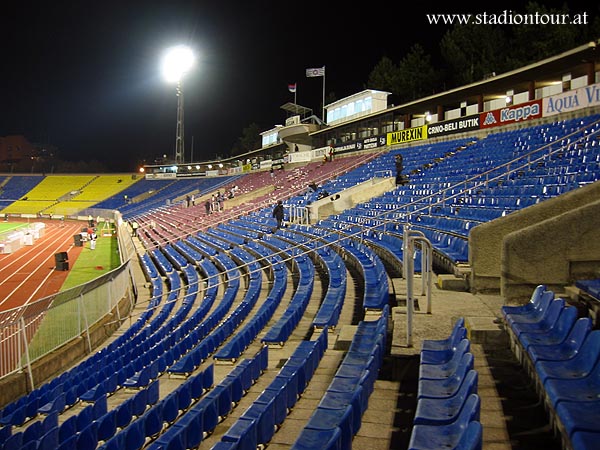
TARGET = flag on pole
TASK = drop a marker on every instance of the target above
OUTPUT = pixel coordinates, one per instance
(292, 87)
(316, 72)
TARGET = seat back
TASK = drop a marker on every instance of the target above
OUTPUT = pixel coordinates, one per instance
(472, 438)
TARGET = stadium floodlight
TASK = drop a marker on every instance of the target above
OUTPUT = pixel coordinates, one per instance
(176, 63)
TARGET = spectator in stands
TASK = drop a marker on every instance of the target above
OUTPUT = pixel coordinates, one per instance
(207, 205)
(134, 227)
(188, 200)
(278, 213)
(220, 201)
(193, 200)
(331, 152)
(399, 168)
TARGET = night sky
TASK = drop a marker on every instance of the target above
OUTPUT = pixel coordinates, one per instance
(85, 76)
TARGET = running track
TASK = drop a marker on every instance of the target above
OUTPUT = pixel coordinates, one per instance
(28, 274)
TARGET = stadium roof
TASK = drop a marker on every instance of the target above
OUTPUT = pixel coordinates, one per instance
(577, 62)
(294, 108)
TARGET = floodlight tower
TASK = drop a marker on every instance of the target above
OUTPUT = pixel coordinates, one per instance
(177, 62)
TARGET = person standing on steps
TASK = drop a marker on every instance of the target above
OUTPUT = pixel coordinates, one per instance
(278, 213)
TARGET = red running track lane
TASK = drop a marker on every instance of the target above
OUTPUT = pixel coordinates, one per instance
(29, 273)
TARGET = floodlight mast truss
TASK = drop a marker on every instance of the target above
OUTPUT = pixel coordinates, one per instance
(179, 147)
(176, 63)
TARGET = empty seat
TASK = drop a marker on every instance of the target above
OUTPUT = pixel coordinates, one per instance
(459, 332)
(427, 437)
(567, 349)
(440, 411)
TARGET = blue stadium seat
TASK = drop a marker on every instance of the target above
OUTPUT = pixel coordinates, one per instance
(442, 388)
(544, 324)
(577, 367)
(153, 422)
(87, 438)
(582, 389)
(124, 414)
(310, 439)
(540, 303)
(585, 440)
(566, 349)
(327, 419)
(437, 371)
(135, 435)
(243, 432)
(556, 334)
(170, 407)
(458, 333)
(67, 429)
(191, 428)
(527, 308)
(14, 441)
(443, 356)
(427, 437)
(49, 441)
(440, 411)
(580, 416)
(107, 425)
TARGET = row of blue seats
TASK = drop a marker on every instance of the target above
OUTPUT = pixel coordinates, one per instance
(84, 429)
(120, 428)
(126, 362)
(146, 373)
(244, 337)
(590, 287)
(331, 305)
(200, 419)
(256, 426)
(448, 406)
(338, 416)
(562, 353)
(328, 314)
(66, 390)
(281, 330)
(376, 289)
(386, 240)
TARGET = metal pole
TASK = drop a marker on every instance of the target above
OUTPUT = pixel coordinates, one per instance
(179, 156)
(323, 113)
(409, 291)
(26, 346)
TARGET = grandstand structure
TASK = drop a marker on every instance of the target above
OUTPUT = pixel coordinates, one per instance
(223, 331)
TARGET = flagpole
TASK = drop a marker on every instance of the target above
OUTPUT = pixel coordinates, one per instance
(323, 112)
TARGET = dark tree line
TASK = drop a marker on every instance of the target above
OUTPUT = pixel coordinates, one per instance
(471, 52)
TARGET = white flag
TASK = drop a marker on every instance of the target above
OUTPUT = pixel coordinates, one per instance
(316, 72)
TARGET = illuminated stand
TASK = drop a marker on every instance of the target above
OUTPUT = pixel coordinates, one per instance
(176, 63)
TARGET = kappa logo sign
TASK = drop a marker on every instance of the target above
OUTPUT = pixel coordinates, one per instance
(517, 113)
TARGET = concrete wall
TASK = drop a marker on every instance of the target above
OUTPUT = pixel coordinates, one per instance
(554, 252)
(486, 240)
(350, 197)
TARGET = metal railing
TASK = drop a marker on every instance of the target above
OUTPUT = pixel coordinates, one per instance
(30, 332)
